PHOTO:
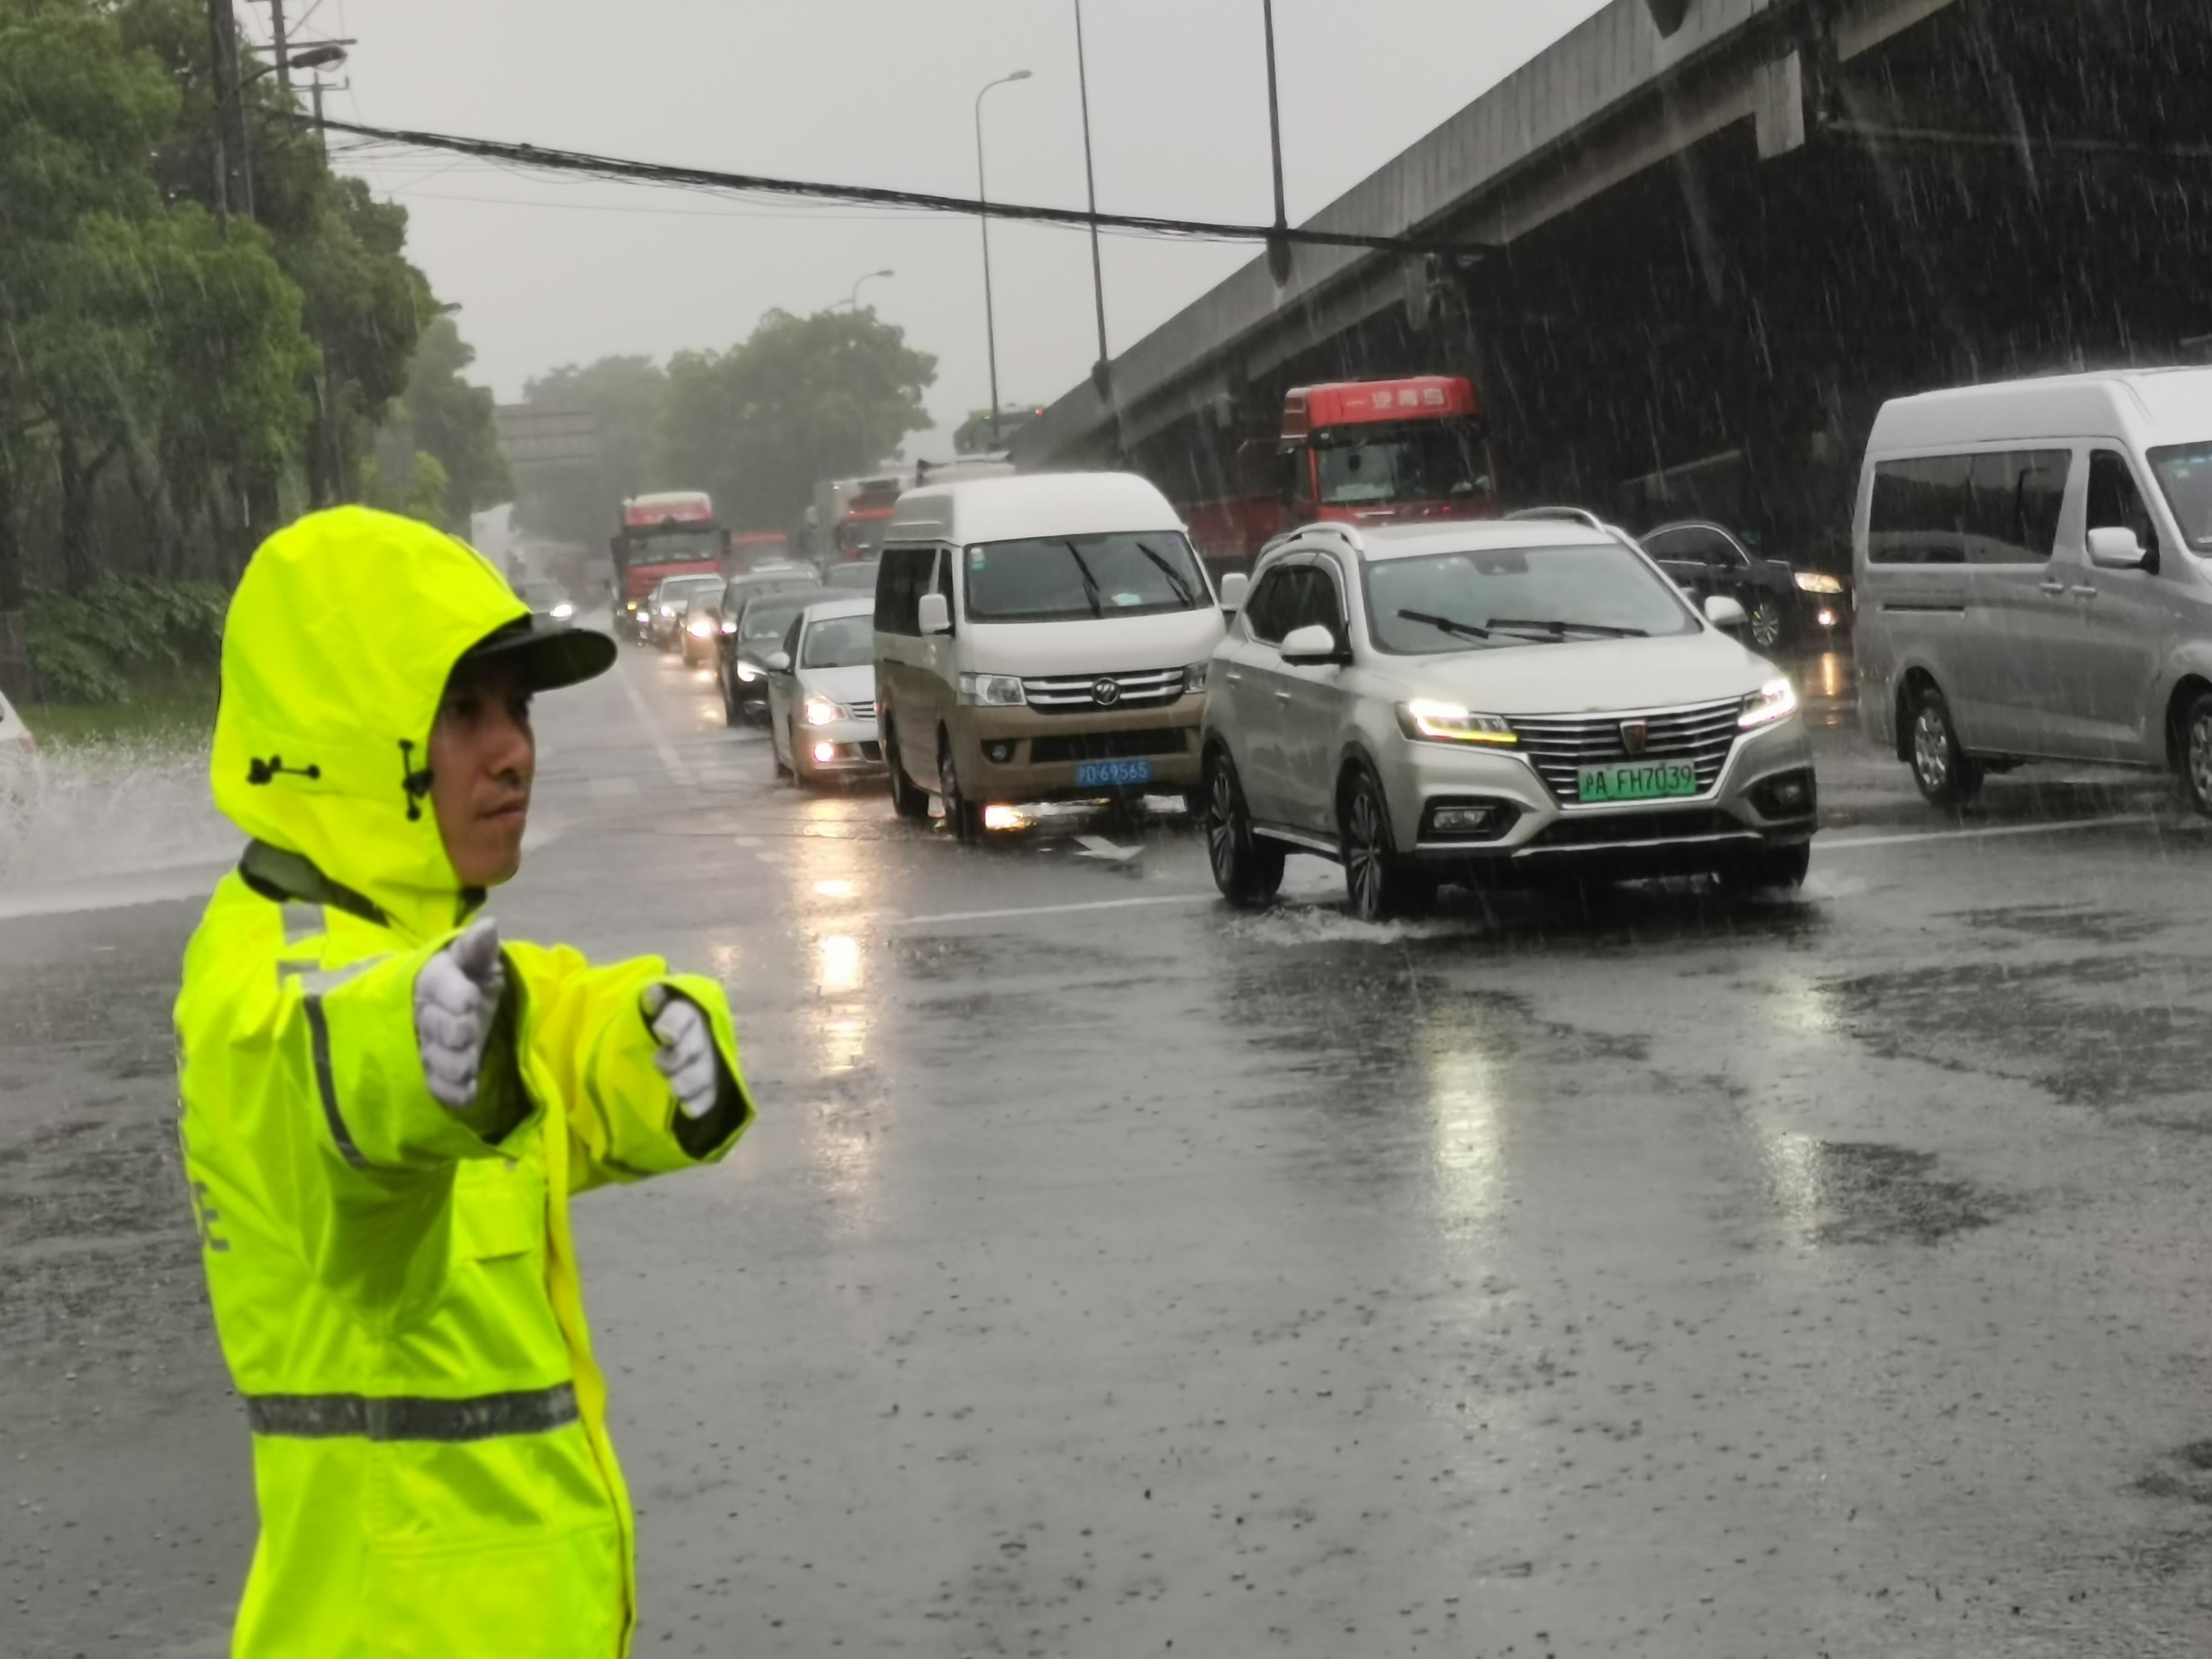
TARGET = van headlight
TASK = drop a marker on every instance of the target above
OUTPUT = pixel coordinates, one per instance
(992, 691)
(1818, 581)
(1446, 722)
(1777, 700)
(820, 711)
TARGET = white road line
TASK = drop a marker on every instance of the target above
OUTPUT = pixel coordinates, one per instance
(1052, 909)
(666, 750)
(1846, 843)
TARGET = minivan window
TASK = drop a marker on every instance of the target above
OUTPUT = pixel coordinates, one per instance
(2114, 503)
(2185, 476)
(1997, 508)
(1066, 578)
(1576, 591)
(902, 579)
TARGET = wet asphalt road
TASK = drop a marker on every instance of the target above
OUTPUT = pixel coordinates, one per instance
(1111, 1274)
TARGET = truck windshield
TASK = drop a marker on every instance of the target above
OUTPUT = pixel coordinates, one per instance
(672, 547)
(1416, 461)
(2185, 474)
(1517, 596)
(1057, 578)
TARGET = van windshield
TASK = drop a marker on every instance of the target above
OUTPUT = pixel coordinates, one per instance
(2185, 473)
(1063, 578)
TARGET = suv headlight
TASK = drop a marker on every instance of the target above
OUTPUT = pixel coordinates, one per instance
(1193, 679)
(1446, 722)
(1777, 700)
(1818, 581)
(992, 691)
(820, 711)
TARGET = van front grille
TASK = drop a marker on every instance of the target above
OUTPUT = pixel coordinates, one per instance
(1143, 688)
(1556, 746)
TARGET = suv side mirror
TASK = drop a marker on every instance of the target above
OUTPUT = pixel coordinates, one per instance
(2115, 547)
(777, 662)
(1312, 647)
(1234, 587)
(935, 614)
(1722, 612)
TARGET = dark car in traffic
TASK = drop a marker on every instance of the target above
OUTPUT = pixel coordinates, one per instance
(1786, 607)
(754, 623)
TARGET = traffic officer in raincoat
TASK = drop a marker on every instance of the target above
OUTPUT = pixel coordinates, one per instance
(387, 1108)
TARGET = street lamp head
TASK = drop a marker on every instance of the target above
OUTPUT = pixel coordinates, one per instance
(1019, 74)
(317, 57)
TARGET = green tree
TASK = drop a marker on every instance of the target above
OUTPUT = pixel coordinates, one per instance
(441, 415)
(581, 503)
(803, 398)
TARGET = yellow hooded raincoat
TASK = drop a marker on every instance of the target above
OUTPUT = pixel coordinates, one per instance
(396, 1297)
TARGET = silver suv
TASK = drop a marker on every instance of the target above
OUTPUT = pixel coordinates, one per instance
(1520, 698)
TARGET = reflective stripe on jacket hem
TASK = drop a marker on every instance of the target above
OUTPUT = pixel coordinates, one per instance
(410, 1417)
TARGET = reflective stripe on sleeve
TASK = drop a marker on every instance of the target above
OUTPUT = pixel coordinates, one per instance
(301, 922)
(410, 1417)
(319, 1035)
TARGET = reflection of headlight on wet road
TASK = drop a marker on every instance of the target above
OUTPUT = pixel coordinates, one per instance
(840, 962)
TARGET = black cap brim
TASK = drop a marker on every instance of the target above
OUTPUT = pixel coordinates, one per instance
(545, 653)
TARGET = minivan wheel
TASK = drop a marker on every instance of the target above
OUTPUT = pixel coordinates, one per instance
(1378, 882)
(1947, 774)
(1246, 869)
(907, 800)
(2197, 754)
(965, 816)
(1766, 621)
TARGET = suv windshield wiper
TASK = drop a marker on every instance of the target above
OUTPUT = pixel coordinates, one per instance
(1446, 624)
(1556, 628)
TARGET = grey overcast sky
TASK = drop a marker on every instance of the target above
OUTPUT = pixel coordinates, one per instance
(879, 92)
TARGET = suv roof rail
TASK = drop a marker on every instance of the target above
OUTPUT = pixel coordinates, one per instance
(1348, 534)
(1580, 516)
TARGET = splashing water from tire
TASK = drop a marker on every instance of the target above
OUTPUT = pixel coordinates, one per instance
(89, 816)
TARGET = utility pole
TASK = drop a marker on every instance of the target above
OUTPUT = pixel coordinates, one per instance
(983, 196)
(219, 79)
(284, 59)
(1279, 246)
(1098, 370)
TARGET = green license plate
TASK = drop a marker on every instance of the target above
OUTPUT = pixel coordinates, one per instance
(1657, 780)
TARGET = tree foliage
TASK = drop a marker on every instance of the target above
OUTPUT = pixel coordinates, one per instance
(581, 503)
(444, 421)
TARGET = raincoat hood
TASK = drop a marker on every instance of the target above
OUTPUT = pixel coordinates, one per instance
(339, 641)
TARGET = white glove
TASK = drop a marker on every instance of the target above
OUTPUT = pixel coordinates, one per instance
(686, 1055)
(456, 995)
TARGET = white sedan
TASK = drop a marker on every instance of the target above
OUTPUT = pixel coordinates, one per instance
(821, 691)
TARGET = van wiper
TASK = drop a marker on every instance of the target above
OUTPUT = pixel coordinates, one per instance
(1090, 582)
(1446, 624)
(1557, 629)
(1175, 578)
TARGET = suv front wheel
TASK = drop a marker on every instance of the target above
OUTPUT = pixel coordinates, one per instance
(1378, 882)
(1247, 869)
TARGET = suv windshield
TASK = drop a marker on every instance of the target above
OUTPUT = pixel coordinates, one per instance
(839, 642)
(1060, 578)
(1432, 461)
(2185, 474)
(1576, 591)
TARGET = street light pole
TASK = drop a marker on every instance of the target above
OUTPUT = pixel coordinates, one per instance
(853, 298)
(1279, 246)
(982, 198)
(1090, 182)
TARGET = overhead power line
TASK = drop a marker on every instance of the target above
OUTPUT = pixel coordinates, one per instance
(657, 173)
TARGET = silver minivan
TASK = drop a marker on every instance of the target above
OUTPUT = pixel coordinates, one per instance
(2031, 580)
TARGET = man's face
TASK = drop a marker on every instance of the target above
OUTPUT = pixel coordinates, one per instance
(482, 758)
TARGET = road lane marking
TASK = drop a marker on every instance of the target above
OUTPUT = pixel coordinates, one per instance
(665, 750)
(1052, 909)
(1846, 843)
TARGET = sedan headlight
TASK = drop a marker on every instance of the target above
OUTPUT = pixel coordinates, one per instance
(669, 611)
(820, 711)
(1193, 679)
(1445, 722)
(746, 671)
(701, 628)
(992, 691)
(1777, 700)
(1819, 581)
(729, 625)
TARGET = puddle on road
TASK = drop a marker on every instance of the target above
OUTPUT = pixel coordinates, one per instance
(2071, 923)
(1857, 1192)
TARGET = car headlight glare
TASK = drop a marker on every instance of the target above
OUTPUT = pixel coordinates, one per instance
(992, 691)
(563, 610)
(1193, 679)
(747, 672)
(1818, 581)
(1445, 722)
(730, 627)
(700, 628)
(1777, 700)
(820, 711)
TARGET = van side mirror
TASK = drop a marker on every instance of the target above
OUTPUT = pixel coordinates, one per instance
(935, 614)
(2115, 548)
(1312, 647)
(1722, 612)
(1234, 587)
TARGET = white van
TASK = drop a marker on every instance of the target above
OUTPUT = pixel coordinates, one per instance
(1040, 637)
(2031, 580)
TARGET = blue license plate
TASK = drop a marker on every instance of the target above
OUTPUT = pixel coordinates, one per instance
(1093, 774)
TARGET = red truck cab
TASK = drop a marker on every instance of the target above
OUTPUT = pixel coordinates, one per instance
(672, 533)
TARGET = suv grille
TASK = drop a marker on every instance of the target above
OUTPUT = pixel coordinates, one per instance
(1109, 745)
(1143, 688)
(1556, 745)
